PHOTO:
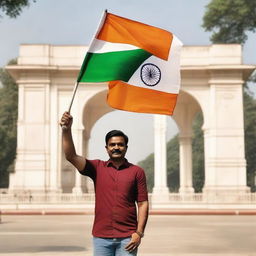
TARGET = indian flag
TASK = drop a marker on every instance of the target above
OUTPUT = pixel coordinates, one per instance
(141, 64)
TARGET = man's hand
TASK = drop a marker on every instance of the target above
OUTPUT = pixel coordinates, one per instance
(134, 243)
(66, 120)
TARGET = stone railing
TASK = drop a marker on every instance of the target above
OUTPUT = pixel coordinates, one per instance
(174, 198)
(25, 198)
(212, 198)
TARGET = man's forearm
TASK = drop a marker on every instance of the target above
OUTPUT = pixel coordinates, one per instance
(70, 151)
(68, 145)
(142, 216)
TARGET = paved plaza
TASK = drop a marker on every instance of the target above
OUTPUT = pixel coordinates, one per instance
(70, 235)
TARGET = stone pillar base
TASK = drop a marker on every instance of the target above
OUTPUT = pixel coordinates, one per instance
(186, 190)
(225, 194)
(77, 190)
(160, 195)
(89, 186)
(226, 190)
(24, 191)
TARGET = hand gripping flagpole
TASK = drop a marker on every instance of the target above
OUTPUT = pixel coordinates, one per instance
(103, 17)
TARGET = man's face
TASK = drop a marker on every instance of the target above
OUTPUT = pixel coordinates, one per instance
(116, 148)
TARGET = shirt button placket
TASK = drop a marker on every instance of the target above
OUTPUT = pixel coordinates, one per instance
(114, 211)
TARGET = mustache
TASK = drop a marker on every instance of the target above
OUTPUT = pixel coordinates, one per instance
(116, 151)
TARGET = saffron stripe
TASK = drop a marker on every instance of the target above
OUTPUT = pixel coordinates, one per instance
(121, 30)
(127, 97)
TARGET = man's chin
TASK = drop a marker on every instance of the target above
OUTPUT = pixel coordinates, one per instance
(116, 157)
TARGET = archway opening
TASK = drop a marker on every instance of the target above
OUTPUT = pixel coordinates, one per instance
(99, 118)
(188, 166)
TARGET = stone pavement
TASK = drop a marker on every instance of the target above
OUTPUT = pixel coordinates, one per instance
(70, 235)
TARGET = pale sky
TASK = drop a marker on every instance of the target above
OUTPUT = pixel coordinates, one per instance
(73, 22)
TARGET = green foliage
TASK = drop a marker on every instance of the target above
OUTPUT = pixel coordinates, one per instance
(229, 20)
(198, 153)
(250, 137)
(13, 8)
(8, 127)
(148, 165)
(173, 164)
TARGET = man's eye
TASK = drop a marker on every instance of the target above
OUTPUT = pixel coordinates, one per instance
(116, 144)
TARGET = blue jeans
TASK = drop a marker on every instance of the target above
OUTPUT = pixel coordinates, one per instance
(112, 247)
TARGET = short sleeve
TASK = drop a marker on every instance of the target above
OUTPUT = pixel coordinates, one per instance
(142, 192)
(90, 168)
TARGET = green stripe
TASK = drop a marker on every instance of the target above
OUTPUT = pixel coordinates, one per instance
(103, 67)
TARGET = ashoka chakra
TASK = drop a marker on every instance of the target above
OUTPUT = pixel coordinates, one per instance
(150, 74)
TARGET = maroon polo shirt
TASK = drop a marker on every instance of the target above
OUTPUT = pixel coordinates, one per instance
(116, 191)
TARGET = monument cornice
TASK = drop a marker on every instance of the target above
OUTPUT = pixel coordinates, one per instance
(247, 70)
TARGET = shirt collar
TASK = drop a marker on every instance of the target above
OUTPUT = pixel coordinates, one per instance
(126, 164)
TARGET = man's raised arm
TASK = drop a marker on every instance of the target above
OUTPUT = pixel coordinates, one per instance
(68, 144)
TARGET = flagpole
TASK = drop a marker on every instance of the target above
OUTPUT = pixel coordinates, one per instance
(103, 17)
(73, 96)
(64, 127)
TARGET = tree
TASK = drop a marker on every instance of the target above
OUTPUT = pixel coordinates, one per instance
(250, 137)
(229, 20)
(8, 126)
(198, 153)
(173, 164)
(13, 8)
(148, 165)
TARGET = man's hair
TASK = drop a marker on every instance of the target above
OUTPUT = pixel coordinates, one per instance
(116, 133)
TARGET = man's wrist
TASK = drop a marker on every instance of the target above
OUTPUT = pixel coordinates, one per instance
(141, 234)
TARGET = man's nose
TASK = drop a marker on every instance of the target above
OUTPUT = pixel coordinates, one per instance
(116, 146)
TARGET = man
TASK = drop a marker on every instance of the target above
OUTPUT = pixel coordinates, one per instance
(119, 185)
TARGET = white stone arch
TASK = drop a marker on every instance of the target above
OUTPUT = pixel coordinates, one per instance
(94, 108)
(213, 74)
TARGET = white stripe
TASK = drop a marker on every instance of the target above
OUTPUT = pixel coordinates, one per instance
(170, 70)
(100, 25)
(100, 46)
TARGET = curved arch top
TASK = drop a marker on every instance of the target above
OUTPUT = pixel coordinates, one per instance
(94, 108)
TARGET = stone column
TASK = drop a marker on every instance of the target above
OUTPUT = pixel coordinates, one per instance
(185, 143)
(55, 143)
(78, 141)
(225, 164)
(160, 190)
(88, 183)
(32, 161)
